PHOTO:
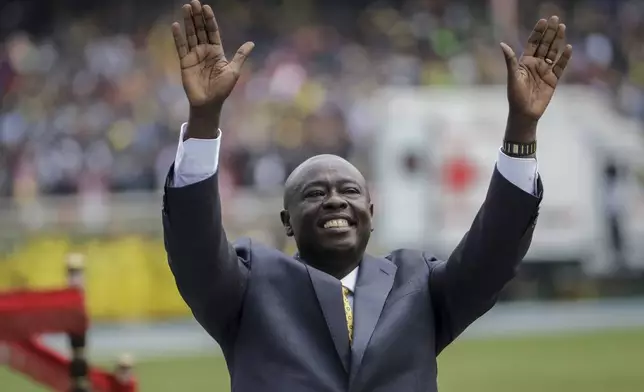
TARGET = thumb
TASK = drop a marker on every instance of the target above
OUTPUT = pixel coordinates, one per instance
(510, 58)
(240, 57)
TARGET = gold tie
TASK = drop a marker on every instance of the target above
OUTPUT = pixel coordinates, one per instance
(348, 312)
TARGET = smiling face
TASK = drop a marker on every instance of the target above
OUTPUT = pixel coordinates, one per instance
(328, 210)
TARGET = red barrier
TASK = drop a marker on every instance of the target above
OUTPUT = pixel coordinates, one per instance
(47, 367)
(24, 315)
(38, 363)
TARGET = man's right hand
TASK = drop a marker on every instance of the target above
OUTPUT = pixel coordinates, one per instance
(208, 77)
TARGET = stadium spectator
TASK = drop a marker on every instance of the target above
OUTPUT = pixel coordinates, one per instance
(91, 101)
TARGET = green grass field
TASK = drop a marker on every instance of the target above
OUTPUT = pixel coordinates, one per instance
(579, 362)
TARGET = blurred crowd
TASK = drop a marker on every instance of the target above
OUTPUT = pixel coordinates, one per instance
(91, 98)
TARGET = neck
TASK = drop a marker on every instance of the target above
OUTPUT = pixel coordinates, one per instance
(335, 264)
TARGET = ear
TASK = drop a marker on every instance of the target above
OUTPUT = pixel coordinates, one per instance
(371, 213)
(286, 222)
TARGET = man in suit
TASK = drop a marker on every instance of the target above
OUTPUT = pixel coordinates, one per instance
(333, 318)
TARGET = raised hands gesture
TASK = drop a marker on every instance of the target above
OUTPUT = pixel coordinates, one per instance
(533, 77)
(207, 76)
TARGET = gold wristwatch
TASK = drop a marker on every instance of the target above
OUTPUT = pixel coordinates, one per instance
(519, 150)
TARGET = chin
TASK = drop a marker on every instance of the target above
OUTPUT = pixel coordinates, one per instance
(340, 245)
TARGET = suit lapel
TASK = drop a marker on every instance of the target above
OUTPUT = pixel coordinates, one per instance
(375, 280)
(329, 292)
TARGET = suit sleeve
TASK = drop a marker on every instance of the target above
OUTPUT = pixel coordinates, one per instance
(210, 273)
(467, 285)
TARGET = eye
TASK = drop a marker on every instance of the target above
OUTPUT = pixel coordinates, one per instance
(352, 191)
(314, 193)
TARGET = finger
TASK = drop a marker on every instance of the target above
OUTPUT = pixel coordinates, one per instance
(560, 66)
(179, 40)
(188, 23)
(510, 58)
(212, 29)
(240, 57)
(535, 37)
(548, 37)
(560, 38)
(200, 26)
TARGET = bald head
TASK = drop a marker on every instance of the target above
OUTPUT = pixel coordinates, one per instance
(328, 211)
(320, 167)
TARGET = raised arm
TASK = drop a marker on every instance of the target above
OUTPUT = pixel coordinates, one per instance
(211, 275)
(467, 285)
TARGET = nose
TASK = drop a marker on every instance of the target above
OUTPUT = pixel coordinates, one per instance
(334, 202)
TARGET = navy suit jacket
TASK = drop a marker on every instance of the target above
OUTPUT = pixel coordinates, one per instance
(281, 324)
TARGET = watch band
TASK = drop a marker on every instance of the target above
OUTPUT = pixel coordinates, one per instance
(519, 150)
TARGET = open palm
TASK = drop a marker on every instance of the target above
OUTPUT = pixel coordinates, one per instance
(532, 79)
(208, 78)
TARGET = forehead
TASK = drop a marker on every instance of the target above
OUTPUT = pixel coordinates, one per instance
(329, 171)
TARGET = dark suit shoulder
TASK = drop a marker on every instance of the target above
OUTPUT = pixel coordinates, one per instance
(411, 263)
(253, 251)
(401, 257)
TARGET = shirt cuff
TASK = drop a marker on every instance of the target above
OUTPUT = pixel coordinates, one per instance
(522, 172)
(196, 159)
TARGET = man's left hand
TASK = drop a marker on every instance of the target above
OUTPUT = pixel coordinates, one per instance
(532, 79)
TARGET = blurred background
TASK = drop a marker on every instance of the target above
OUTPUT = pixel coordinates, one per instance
(411, 91)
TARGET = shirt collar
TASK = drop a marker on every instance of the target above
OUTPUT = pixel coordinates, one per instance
(350, 280)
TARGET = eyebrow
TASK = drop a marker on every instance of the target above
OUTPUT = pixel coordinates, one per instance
(320, 183)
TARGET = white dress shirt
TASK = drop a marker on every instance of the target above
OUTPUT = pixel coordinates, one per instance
(197, 159)
(349, 282)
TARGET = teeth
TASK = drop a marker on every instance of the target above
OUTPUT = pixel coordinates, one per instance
(336, 223)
